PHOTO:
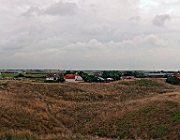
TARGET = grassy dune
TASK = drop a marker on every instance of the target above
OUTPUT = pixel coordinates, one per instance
(127, 109)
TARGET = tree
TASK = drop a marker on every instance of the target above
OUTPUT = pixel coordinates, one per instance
(105, 74)
(128, 73)
(70, 72)
(88, 78)
(112, 74)
(138, 74)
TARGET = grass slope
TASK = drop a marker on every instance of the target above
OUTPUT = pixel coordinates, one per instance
(128, 109)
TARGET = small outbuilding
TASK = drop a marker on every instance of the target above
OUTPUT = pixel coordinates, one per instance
(53, 76)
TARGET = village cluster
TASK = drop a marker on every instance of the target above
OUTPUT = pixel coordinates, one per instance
(78, 78)
(81, 76)
(67, 77)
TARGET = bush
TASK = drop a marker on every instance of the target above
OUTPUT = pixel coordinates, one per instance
(61, 79)
(173, 80)
(19, 75)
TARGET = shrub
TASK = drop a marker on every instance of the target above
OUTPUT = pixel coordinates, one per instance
(19, 75)
(173, 80)
(61, 79)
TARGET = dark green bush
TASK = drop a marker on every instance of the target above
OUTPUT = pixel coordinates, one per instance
(173, 80)
(61, 79)
(19, 75)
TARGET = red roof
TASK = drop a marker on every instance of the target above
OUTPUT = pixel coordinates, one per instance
(70, 76)
(177, 75)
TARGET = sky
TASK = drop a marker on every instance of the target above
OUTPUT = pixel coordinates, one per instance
(90, 34)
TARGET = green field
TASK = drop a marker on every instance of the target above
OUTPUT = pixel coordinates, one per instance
(35, 75)
(10, 75)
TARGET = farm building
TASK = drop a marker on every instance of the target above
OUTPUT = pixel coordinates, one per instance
(177, 75)
(73, 78)
(156, 75)
(53, 76)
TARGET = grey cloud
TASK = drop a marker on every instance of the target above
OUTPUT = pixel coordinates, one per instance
(90, 54)
(85, 34)
(33, 11)
(62, 8)
(170, 2)
(135, 19)
(160, 20)
(57, 9)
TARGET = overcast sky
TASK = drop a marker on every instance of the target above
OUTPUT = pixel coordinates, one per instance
(90, 34)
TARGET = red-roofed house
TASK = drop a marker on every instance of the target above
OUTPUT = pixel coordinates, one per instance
(177, 75)
(73, 78)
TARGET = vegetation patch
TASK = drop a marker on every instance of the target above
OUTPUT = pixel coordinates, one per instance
(141, 83)
(100, 111)
(19, 136)
(124, 128)
(148, 109)
(176, 117)
(146, 83)
(140, 88)
(100, 132)
(152, 121)
(3, 85)
(159, 131)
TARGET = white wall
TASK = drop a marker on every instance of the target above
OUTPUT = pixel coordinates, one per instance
(78, 78)
(50, 79)
(70, 80)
